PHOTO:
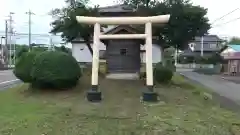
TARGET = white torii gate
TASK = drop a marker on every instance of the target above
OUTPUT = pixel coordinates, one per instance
(94, 94)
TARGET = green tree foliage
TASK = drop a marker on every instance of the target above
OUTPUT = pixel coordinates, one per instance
(216, 59)
(20, 50)
(186, 22)
(162, 74)
(235, 41)
(65, 21)
(23, 66)
(64, 49)
(55, 70)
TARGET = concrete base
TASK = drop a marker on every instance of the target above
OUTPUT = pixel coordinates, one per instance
(150, 96)
(94, 96)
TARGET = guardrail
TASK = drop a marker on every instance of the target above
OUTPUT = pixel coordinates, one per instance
(194, 66)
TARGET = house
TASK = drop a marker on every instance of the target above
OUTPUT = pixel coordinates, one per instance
(208, 44)
(232, 63)
(229, 49)
(121, 56)
(231, 55)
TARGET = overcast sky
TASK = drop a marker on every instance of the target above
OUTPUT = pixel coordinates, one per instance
(41, 21)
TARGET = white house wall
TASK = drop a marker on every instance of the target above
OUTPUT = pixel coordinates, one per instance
(156, 54)
(82, 54)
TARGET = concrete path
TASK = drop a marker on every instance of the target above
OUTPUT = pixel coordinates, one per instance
(7, 79)
(223, 88)
(6, 75)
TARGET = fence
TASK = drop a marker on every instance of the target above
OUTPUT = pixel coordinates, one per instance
(194, 66)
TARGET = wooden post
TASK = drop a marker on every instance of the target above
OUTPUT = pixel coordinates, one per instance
(95, 58)
(149, 68)
(94, 95)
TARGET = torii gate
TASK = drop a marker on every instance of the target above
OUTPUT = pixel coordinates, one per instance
(94, 94)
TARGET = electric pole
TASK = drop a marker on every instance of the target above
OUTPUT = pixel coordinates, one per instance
(202, 40)
(10, 37)
(30, 13)
(6, 41)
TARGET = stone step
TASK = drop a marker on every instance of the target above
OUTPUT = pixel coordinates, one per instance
(123, 76)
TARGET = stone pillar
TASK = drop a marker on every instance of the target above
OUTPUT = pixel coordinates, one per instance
(94, 95)
(149, 95)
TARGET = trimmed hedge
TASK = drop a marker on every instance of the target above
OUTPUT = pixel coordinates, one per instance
(162, 74)
(23, 66)
(55, 70)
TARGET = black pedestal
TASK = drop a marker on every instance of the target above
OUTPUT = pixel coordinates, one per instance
(94, 95)
(149, 95)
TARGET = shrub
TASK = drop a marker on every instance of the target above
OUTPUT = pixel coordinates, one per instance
(24, 65)
(21, 51)
(142, 75)
(162, 74)
(102, 69)
(170, 63)
(55, 70)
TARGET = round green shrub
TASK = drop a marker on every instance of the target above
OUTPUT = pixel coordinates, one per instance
(55, 70)
(23, 66)
(162, 74)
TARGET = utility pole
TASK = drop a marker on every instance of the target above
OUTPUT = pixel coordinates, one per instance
(10, 37)
(51, 45)
(202, 46)
(6, 33)
(6, 41)
(30, 13)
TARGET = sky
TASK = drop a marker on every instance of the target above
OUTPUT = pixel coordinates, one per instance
(41, 21)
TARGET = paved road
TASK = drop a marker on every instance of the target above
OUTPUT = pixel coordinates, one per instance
(224, 88)
(6, 75)
(7, 79)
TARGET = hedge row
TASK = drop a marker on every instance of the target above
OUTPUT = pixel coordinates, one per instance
(55, 70)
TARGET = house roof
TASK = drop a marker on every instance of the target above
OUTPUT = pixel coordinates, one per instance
(235, 47)
(116, 8)
(207, 41)
(208, 38)
(118, 28)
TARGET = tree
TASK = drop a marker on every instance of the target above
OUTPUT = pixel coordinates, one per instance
(234, 41)
(186, 21)
(64, 49)
(65, 21)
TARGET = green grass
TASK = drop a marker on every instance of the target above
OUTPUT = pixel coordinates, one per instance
(182, 111)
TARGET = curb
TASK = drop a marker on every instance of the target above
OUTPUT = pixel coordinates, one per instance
(8, 84)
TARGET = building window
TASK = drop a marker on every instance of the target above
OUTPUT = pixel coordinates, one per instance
(123, 51)
(213, 45)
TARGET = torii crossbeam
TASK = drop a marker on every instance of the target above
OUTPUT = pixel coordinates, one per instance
(94, 94)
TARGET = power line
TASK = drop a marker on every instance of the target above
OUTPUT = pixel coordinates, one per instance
(226, 22)
(225, 15)
(34, 34)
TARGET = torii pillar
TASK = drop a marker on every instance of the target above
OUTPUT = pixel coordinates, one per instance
(94, 94)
